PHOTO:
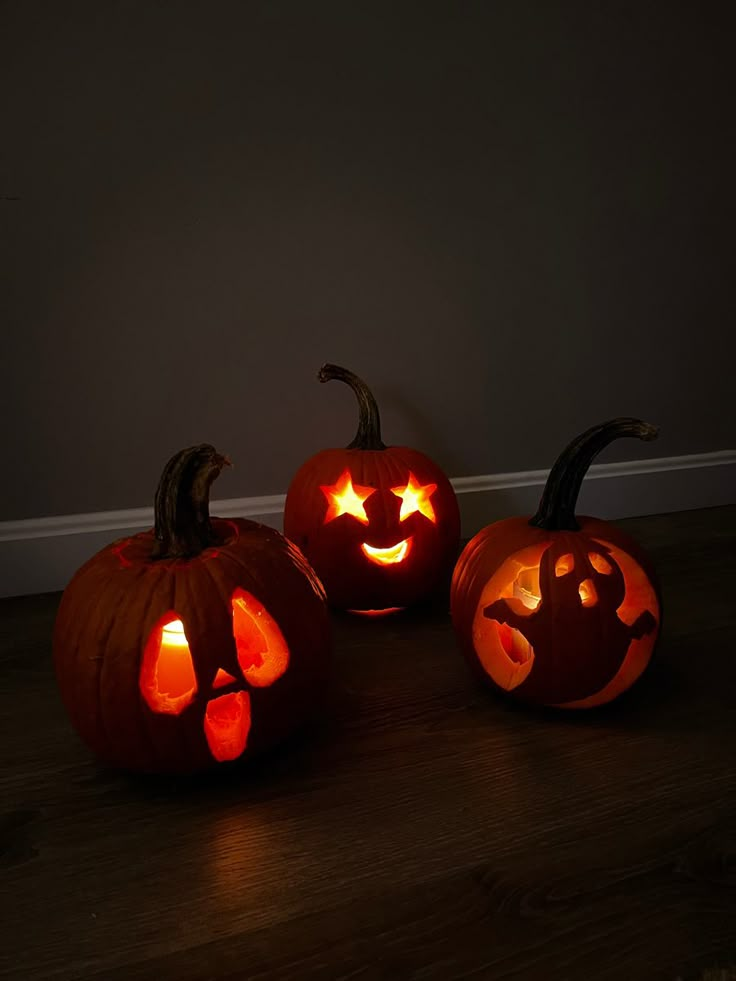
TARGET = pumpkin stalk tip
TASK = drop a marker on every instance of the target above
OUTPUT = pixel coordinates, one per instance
(556, 510)
(368, 436)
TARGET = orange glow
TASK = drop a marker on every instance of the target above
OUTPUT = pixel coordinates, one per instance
(174, 636)
(345, 497)
(526, 588)
(599, 563)
(565, 564)
(640, 595)
(515, 644)
(167, 680)
(416, 497)
(387, 556)
(503, 651)
(227, 724)
(378, 613)
(588, 595)
(223, 678)
(263, 654)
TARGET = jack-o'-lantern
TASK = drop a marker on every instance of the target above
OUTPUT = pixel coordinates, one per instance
(200, 642)
(559, 610)
(380, 524)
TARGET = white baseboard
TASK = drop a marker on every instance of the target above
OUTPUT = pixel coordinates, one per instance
(40, 555)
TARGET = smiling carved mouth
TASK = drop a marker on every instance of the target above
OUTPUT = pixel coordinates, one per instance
(387, 556)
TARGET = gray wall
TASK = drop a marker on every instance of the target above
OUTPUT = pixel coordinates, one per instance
(515, 219)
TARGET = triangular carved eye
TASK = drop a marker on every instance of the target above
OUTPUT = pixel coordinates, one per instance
(262, 651)
(167, 681)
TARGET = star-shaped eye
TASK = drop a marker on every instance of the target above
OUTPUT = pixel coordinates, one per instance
(416, 497)
(345, 497)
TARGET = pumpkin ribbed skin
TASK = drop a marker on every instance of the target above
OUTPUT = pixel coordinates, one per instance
(335, 548)
(559, 610)
(573, 673)
(114, 602)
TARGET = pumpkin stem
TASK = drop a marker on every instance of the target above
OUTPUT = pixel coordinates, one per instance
(182, 504)
(368, 436)
(556, 510)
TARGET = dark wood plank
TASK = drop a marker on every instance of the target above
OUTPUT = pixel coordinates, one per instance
(424, 829)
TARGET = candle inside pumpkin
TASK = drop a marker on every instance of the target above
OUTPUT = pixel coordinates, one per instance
(174, 669)
(526, 588)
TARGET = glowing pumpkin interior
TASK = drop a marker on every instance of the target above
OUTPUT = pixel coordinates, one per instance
(344, 497)
(168, 681)
(227, 724)
(416, 497)
(386, 611)
(507, 655)
(262, 652)
(387, 556)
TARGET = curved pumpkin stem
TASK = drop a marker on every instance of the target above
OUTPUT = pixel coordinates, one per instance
(182, 504)
(556, 510)
(368, 436)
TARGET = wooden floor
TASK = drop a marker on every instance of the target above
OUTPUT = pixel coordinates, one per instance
(424, 830)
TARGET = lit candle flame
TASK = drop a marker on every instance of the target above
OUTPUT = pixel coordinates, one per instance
(173, 635)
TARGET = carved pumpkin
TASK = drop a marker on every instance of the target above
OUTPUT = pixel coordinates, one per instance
(199, 642)
(380, 524)
(559, 610)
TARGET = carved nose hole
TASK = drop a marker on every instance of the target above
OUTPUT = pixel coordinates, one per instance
(223, 678)
(588, 595)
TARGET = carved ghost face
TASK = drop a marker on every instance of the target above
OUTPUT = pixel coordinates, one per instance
(565, 622)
